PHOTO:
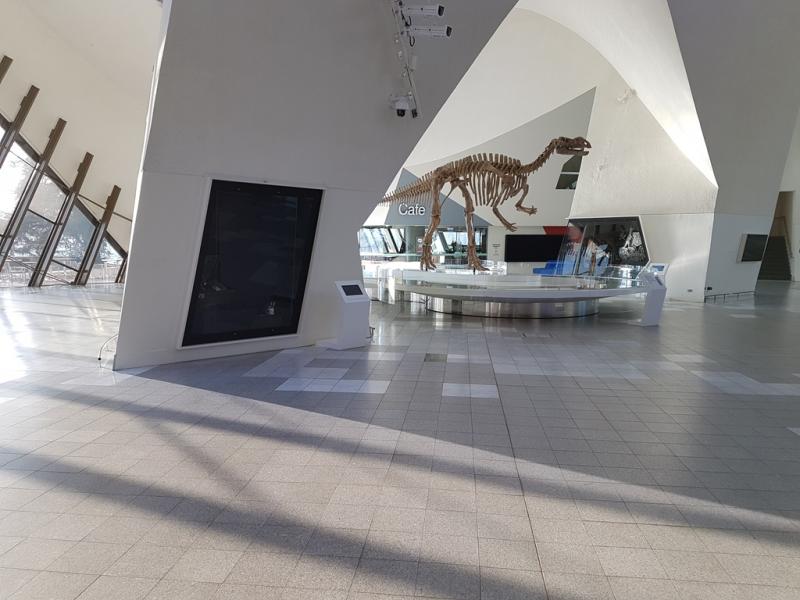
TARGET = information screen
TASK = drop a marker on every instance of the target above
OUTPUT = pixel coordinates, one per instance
(253, 262)
(351, 290)
(532, 248)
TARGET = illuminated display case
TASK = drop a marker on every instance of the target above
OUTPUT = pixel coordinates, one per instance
(593, 246)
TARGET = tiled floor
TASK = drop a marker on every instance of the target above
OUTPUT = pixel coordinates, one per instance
(453, 458)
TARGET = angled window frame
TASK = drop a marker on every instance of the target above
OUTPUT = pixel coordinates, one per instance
(80, 202)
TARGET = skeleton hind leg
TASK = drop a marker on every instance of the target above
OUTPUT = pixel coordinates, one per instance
(472, 255)
(426, 260)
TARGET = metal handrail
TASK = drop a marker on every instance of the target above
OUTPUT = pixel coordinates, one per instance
(16, 261)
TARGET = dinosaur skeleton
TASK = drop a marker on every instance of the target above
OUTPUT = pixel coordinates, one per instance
(483, 180)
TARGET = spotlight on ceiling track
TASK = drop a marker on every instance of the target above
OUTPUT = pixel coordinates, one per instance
(406, 34)
(423, 10)
(438, 31)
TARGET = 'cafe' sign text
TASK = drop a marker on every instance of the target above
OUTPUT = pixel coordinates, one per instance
(411, 209)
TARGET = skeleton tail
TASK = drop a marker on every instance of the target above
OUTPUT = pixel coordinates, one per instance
(418, 192)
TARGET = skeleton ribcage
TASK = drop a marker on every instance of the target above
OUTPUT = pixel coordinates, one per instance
(486, 187)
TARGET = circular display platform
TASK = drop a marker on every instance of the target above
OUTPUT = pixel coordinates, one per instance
(514, 310)
(501, 295)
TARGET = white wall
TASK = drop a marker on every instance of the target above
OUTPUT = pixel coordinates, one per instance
(791, 172)
(638, 39)
(790, 196)
(725, 275)
(741, 60)
(683, 240)
(92, 72)
(264, 103)
(635, 168)
(530, 66)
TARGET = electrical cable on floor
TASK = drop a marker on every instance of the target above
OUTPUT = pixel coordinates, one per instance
(103, 347)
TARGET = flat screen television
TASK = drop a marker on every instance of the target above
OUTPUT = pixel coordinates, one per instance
(532, 248)
(254, 259)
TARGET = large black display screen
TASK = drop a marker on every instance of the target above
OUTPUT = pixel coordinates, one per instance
(253, 263)
(532, 248)
(754, 246)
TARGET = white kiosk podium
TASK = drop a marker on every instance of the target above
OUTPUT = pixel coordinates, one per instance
(656, 294)
(353, 331)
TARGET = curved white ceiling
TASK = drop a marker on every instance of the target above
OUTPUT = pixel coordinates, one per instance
(118, 37)
(638, 38)
(514, 80)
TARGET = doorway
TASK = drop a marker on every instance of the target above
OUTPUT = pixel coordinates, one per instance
(776, 264)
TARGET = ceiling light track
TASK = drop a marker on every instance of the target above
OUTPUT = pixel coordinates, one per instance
(405, 38)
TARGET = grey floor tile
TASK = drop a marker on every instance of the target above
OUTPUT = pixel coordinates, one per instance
(211, 566)
(34, 554)
(53, 586)
(89, 558)
(502, 584)
(630, 562)
(645, 476)
(504, 527)
(13, 580)
(508, 554)
(168, 589)
(399, 519)
(146, 561)
(120, 530)
(450, 523)
(754, 570)
(692, 566)
(235, 591)
(323, 572)
(122, 588)
(452, 549)
(263, 569)
(448, 581)
(622, 535)
(390, 577)
(393, 545)
(626, 588)
(577, 586)
(568, 558)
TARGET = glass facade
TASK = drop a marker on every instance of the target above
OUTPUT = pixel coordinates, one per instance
(13, 176)
(31, 238)
(388, 243)
(38, 222)
(75, 239)
(107, 264)
(48, 199)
